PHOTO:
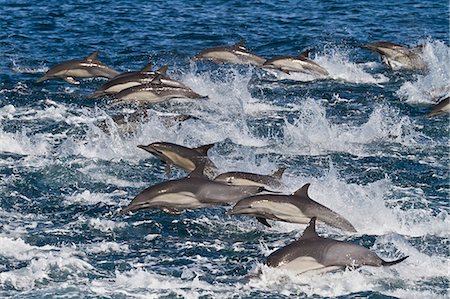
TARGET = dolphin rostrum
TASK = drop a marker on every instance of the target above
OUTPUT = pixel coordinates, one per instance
(312, 252)
(295, 208)
(237, 54)
(134, 78)
(300, 63)
(397, 56)
(181, 156)
(246, 178)
(441, 108)
(154, 92)
(193, 192)
(86, 68)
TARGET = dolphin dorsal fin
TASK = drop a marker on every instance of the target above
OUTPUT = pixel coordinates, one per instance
(92, 57)
(240, 44)
(305, 53)
(147, 68)
(163, 70)
(310, 231)
(156, 79)
(203, 150)
(303, 191)
(279, 173)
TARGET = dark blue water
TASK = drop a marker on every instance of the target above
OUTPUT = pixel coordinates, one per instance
(360, 137)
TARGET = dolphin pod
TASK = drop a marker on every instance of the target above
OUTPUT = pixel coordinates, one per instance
(249, 192)
(312, 252)
(297, 208)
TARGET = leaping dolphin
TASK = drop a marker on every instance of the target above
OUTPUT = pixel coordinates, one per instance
(86, 68)
(246, 178)
(441, 108)
(397, 56)
(295, 208)
(135, 78)
(237, 54)
(300, 63)
(181, 156)
(154, 92)
(193, 192)
(312, 252)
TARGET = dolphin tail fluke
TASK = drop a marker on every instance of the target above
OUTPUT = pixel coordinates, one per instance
(384, 263)
(41, 79)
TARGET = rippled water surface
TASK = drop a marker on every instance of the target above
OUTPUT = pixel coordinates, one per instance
(361, 137)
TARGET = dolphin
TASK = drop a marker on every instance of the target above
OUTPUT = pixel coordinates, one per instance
(154, 92)
(193, 192)
(184, 157)
(245, 178)
(88, 67)
(295, 208)
(441, 108)
(237, 54)
(397, 56)
(312, 252)
(300, 63)
(135, 78)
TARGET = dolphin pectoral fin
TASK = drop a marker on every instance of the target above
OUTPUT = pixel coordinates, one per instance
(263, 221)
(167, 168)
(71, 80)
(285, 71)
(172, 211)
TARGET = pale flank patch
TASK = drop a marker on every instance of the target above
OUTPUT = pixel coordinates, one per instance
(302, 264)
(179, 160)
(184, 200)
(285, 211)
(244, 182)
(119, 87)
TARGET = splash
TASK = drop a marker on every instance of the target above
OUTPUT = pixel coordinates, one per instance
(314, 134)
(428, 88)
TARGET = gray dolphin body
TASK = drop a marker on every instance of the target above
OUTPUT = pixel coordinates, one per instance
(397, 56)
(295, 208)
(184, 157)
(441, 108)
(252, 179)
(299, 63)
(189, 193)
(236, 54)
(135, 78)
(312, 252)
(154, 92)
(86, 68)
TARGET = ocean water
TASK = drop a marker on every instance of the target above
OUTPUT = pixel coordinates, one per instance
(361, 137)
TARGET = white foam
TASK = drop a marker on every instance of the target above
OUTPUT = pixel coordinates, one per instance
(28, 70)
(339, 67)
(86, 197)
(23, 143)
(106, 247)
(105, 225)
(43, 264)
(429, 87)
(314, 134)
